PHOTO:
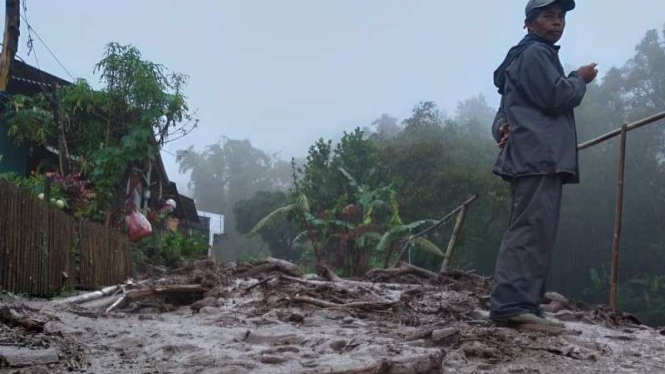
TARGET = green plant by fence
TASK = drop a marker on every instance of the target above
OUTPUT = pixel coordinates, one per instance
(43, 250)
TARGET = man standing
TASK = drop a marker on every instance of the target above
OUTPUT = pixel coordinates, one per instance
(535, 129)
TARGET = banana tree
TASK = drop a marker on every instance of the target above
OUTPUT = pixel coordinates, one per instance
(390, 241)
(317, 230)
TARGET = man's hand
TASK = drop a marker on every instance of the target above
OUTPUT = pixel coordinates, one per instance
(588, 73)
(504, 131)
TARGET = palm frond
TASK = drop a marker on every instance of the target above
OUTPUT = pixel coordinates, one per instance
(352, 181)
(272, 216)
(303, 203)
(395, 218)
(422, 224)
(342, 224)
(300, 237)
(393, 235)
(425, 244)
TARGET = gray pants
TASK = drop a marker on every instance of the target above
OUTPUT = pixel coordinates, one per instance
(526, 248)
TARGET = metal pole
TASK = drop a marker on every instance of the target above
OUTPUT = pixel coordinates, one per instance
(618, 216)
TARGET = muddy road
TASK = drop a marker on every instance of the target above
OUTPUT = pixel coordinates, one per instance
(283, 325)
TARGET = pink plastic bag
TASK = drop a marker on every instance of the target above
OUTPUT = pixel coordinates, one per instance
(138, 226)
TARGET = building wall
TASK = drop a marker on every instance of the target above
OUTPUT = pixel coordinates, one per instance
(14, 159)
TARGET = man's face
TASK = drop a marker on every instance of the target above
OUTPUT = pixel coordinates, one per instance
(550, 24)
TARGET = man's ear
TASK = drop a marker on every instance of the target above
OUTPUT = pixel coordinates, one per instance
(528, 24)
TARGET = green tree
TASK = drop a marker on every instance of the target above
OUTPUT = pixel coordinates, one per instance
(278, 234)
(112, 130)
(226, 173)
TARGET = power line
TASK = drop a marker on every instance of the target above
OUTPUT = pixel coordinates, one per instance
(32, 29)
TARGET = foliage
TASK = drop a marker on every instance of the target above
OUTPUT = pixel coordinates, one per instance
(122, 125)
(625, 94)
(34, 183)
(226, 173)
(278, 234)
(433, 163)
(168, 247)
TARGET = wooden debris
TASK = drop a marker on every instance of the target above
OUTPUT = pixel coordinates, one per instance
(21, 357)
(270, 264)
(100, 304)
(402, 269)
(541, 328)
(443, 334)
(347, 284)
(163, 291)
(422, 364)
(104, 292)
(379, 305)
(11, 317)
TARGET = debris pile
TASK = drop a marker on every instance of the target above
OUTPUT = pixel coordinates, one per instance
(268, 317)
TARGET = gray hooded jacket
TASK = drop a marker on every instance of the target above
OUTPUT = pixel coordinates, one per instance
(537, 102)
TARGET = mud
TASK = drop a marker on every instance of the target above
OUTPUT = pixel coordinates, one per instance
(244, 326)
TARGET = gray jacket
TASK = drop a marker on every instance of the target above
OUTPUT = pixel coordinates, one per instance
(537, 102)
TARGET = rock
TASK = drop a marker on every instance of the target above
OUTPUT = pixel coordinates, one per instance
(296, 318)
(37, 370)
(208, 301)
(479, 314)
(553, 296)
(272, 360)
(348, 320)
(259, 338)
(210, 310)
(338, 345)
(554, 302)
(309, 364)
(149, 310)
(20, 357)
(568, 316)
(443, 334)
(328, 314)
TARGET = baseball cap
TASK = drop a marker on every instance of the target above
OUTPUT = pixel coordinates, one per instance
(568, 5)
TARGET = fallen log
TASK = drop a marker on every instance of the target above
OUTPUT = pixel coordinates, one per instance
(90, 296)
(9, 316)
(270, 264)
(378, 305)
(100, 304)
(162, 291)
(422, 364)
(402, 269)
(347, 284)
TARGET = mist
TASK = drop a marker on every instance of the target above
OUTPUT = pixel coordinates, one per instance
(399, 93)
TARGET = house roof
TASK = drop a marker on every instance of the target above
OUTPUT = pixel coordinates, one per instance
(25, 79)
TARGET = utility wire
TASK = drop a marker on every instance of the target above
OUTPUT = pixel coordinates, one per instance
(32, 30)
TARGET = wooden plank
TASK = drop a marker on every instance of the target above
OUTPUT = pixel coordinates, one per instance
(3, 229)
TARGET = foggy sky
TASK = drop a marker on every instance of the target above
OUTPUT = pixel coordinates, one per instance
(283, 73)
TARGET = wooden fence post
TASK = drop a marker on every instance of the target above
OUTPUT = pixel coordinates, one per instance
(453, 239)
(617, 217)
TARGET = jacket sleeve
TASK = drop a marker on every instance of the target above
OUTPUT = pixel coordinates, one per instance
(541, 80)
(499, 120)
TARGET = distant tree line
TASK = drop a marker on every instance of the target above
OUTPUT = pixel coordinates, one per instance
(369, 190)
